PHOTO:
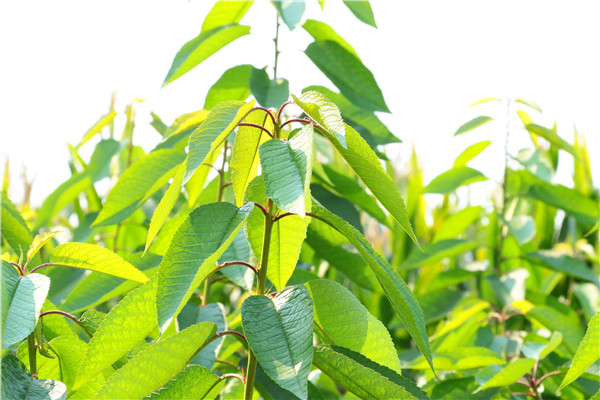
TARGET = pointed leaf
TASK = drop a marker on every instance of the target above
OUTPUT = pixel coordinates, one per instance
(495, 376)
(193, 383)
(552, 137)
(38, 242)
(472, 124)
(97, 127)
(279, 332)
(470, 152)
(232, 85)
(484, 100)
(345, 322)
(181, 129)
(18, 384)
(270, 93)
(321, 31)
(14, 229)
(192, 255)
(588, 352)
(124, 327)
(95, 258)
(291, 12)
(362, 10)
(10, 283)
(563, 263)
(396, 290)
(347, 73)
(137, 184)
(363, 377)
(449, 181)
(212, 133)
(156, 365)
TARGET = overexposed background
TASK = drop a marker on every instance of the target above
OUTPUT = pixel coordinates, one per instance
(62, 60)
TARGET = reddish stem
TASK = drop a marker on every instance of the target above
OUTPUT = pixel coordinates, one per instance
(18, 267)
(244, 263)
(42, 266)
(241, 378)
(65, 314)
(548, 375)
(277, 218)
(262, 109)
(261, 208)
(301, 120)
(256, 126)
(282, 107)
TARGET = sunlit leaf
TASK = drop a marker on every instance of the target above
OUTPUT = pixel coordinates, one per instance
(456, 224)
(193, 383)
(540, 350)
(470, 152)
(449, 181)
(97, 127)
(494, 376)
(232, 85)
(269, 93)
(14, 229)
(321, 31)
(588, 352)
(472, 124)
(362, 10)
(551, 136)
(38, 242)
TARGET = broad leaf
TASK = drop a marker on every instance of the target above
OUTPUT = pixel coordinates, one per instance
(213, 132)
(470, 153)
(588, 352)
(193, 314)
(137, 184)
(193, 383)
(357, 154)
(18, 384)
(362, 10)
(363, 377)
(540, 350)
(269, 93)
(472, 124)
(192, 255)
(347, 73)
(342, 320)
(156, 365)
(232, 85)
(291, 12)
(321, 31)
(449, 181)
(95, 258)
(14, 229)
(494, 376)
(124, 327)
(396, 290)
(279, 332)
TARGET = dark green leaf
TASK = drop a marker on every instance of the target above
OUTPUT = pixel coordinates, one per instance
(269, 93)
(18, 384)
(563, 263)
(321, 31)
(362, 10)
(232, 85)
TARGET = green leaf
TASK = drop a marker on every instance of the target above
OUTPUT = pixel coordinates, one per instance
(279, 332)
(450, 278)
(540, 350)
(244, 155)
(470, 152)
(22, 301)
(140, 181)
(560, 262)
(287, 168)
(290, 11)
(434, 252)
(38, 242)
(181, 129)
(358, 155)
(192, 255)
(156, 365)
(124, 327)
(449, 181)
(220, 27)
(343, 321)
(363, 377)
(213, 132)
(213, 312)
(193, 383)
(495, 376)
(457, 359)
(14, 229)
(529, 104)
(95, 258)
(588, 352)
(270, 93)
(362, 10)
(97, 127)
(472, 124)
(522, 227)
(238, 250)
(582, 208)
(348, 73)
(232, 85)
(456, 224)
(551, 136)
(396, 290)
(18, 384)
(321, 31)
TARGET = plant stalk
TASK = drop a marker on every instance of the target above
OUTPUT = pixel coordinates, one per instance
(32, 355)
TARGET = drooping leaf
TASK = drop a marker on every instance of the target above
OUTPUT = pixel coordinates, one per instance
(232, 85)
(344, 321)
(97, 127)
(192, 255)
(279, 332)
(38, 242)
(321, 31)
(363, 377)
(551, 136)
(18, 384)
(193, 383)
(362, 10)
(470, 152)
(95, 258)
(484, 100)
(156, 365)
(436, 251)
(14, 229)
(337, 205)
(212, 133)
(396, 290)
(22, 301)
(220, 27)
(270, 93)
(588, 352)
(124, 327)
(290, 11)
(472, 124)
(348, 73)
(494, 375)
(449, 181)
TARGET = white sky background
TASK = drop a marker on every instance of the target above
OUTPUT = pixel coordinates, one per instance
(61, 61)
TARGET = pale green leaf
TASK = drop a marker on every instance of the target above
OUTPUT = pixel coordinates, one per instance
(347, 73)
(540, 350)
(434, 252)
(321, 31)
(124, 327)
(238, 250)
(449, 181)
(470, 153)
(362, 10)
(472, 124)
(232, 85)
(458, 223)
(156, 365)
(213, 312)
(193, 383)
(529, 104)
(494, 376)
(363, 377)
(269, 93)
(561, 262)
(463, 311)
(588, 352)
(213, 132)
(343, 321)
(551, 136)
(522, 227)
(18, 384)
(290, 11)
(484, 100)
(14, 229)
(279, 332)
(140, 181)
(457, 359)
(10, 283)
(38, 242)
(95, 258)
(400, 296)
(97, 127)
(193, 253)
(450, 278)
(181, 129)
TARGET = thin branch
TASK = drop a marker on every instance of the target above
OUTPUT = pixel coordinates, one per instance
(18, 267)
(261, 208)
(301, 120)
(231, 375)
(221, 278)
(47, 265)
(256, 126)
(234, 333)
(244, 263)
(277, 218)
(71, 317)
(523, 383)
(282, 107)
(262, 109)
(548, 375)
